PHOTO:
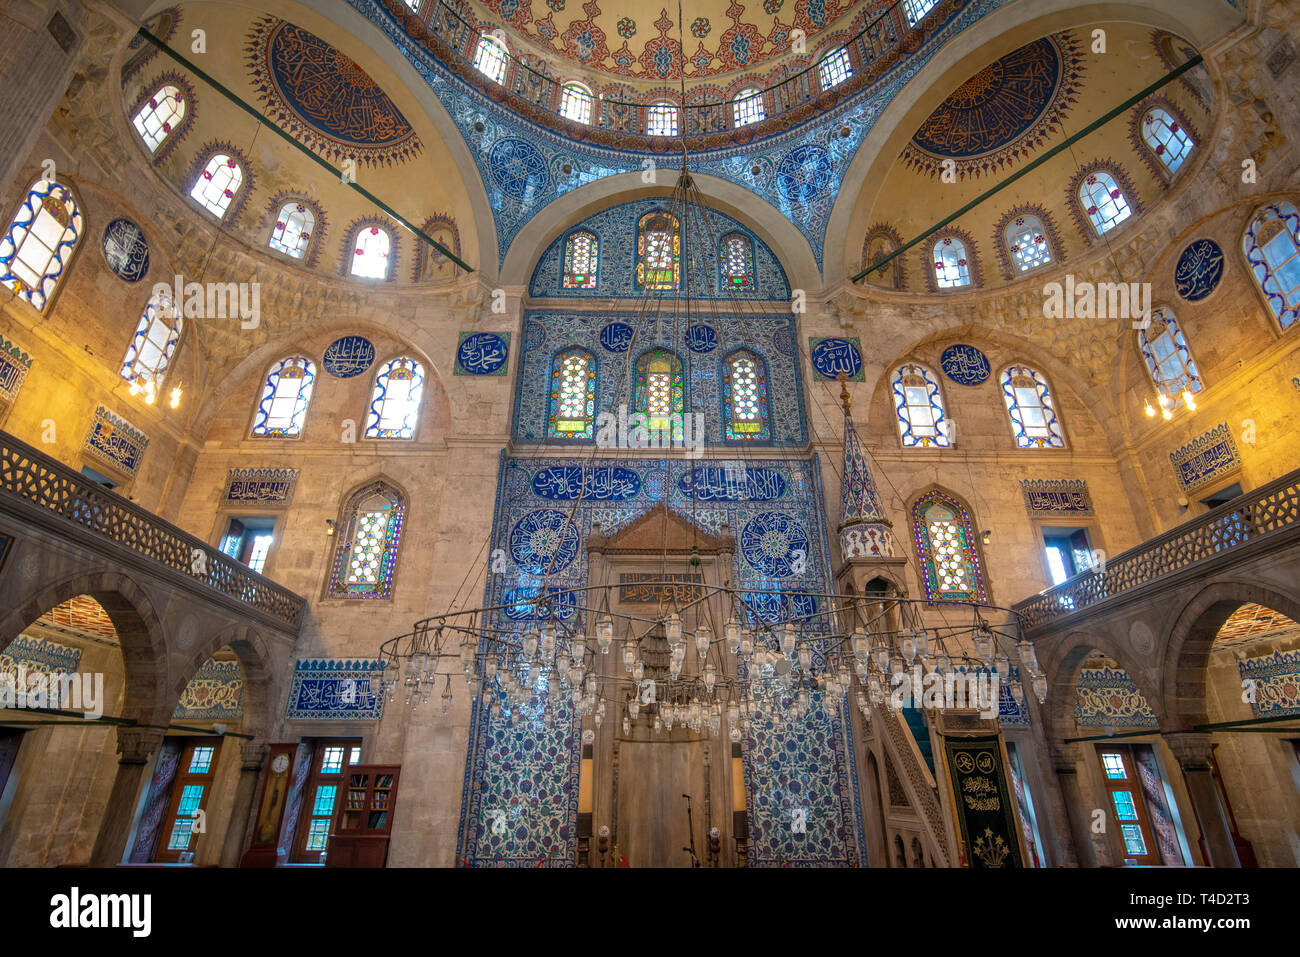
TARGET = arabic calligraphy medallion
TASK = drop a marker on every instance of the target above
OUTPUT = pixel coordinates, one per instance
(775, 544)
(1198, 270)
(831, 357)
(616, 336)
(542, 537)
(701, 338)
(965, 365)
(482, 353)
(126, 250)
(348, 356)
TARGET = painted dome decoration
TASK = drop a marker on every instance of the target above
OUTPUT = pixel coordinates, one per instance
(322, 97)
(1002, 113)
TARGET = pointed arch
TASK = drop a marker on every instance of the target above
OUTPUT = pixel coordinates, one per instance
(394, 411)
(659, 392)
(43, 235)
(154, 344)
(1166, 355)
(947, 548)
(581, 266)
(746, 411)
(369, 534)
(572, 411)
(1035, 422)
(220, 180)
(286, 393)
(1271, 245)
(658, 251)
(736, 257)
(918, 404)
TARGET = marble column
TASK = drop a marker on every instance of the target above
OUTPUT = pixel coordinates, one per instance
(134, 745)
(1193, 751)
(1065, 761)
(252, 756)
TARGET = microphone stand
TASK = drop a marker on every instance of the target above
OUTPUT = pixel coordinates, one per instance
(690, 824)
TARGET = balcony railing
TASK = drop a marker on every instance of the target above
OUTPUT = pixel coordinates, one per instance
(33, 477)
(1264, 511)
(447, 26)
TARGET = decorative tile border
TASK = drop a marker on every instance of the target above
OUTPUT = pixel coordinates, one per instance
(259, 486)
(336, 689)
(1276, 683)
(1108, 698)
(114, 440)
(14, 366)
(1205, 458)
(38, 654)
(216, 692)
(1056, 496)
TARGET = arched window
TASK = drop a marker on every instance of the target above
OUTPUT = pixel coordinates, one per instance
(659, 391)
(1027, 245)
(661, 120)
(159, 115)
(283, 406)
(490, 58)
(1272, 248)
(293, 228)
(737, 261)
(917, 9)
(575, 103)
(370, 249)
(366, 555)
(834, 68)
(152, 346)
(1167, 138)
(744, 398)
(951, 263)
(217, 185)
(945, 544)
(395, 403)
(1034, 421)
(919, 406)
(573, 395)
(581, 260)
(658, 251)
(1168, 359)
(35, 252)
(1103, 201)
(748, 107)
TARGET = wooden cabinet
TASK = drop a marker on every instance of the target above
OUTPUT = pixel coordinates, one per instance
(365, 819)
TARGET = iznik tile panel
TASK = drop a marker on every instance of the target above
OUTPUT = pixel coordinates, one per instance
(215, 693)
(1056, 496)
(14, 366)
(1274, 683)
(114, 440)
(1205, 458)
(259, 486)
(1108, 698)
(38, 655)
(336, 689)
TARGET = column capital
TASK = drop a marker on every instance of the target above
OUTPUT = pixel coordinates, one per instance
(1192, 749)
(1065, 758)
(252, 754)
(135, 744)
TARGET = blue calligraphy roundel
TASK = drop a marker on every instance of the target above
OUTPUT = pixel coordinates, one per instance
(616, 336)
(126, 250)
(775, 544)
(805, 173)
(349, 356)
(1198, 270)
(482, 353)
(830, 357)
(965, 365)
(701, 338)
(518, 168)
(544, 540)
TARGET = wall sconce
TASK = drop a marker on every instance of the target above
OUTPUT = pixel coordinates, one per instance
(986, 535)
(329, 526)
(176, 397)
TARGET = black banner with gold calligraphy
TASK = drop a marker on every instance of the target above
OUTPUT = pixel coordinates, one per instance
(984, 809)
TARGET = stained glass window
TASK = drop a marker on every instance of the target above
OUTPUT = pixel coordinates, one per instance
(1167, 138)
(658, 251)
(160, 114)
(573, 395)
(659, 392)
(951, 265)
(1168, 359)
(834, 68)
(944, 536)
(195, 767)
(748, 106)
(917, 9)
(1034, 421)
(744, 393)
(661, 120)
(1114, 765)
(395, 403)
(153, 345)
(1272, 248)
(293, 228)
(581, 260)
(283, 406)
(575, 103)
(919, 407)
(1103, 201)
(35, 253)
(490, 59)
(738, 261)
(217, 185)
(370, 253)
(1027, 243)
(366, 556)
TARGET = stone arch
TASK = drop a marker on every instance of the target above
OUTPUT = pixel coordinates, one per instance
(1189, 639)
(140, 632)
(975, 544)
(1061, 665)
(257, 664)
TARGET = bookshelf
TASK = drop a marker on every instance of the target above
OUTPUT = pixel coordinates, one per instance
(365, 821)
